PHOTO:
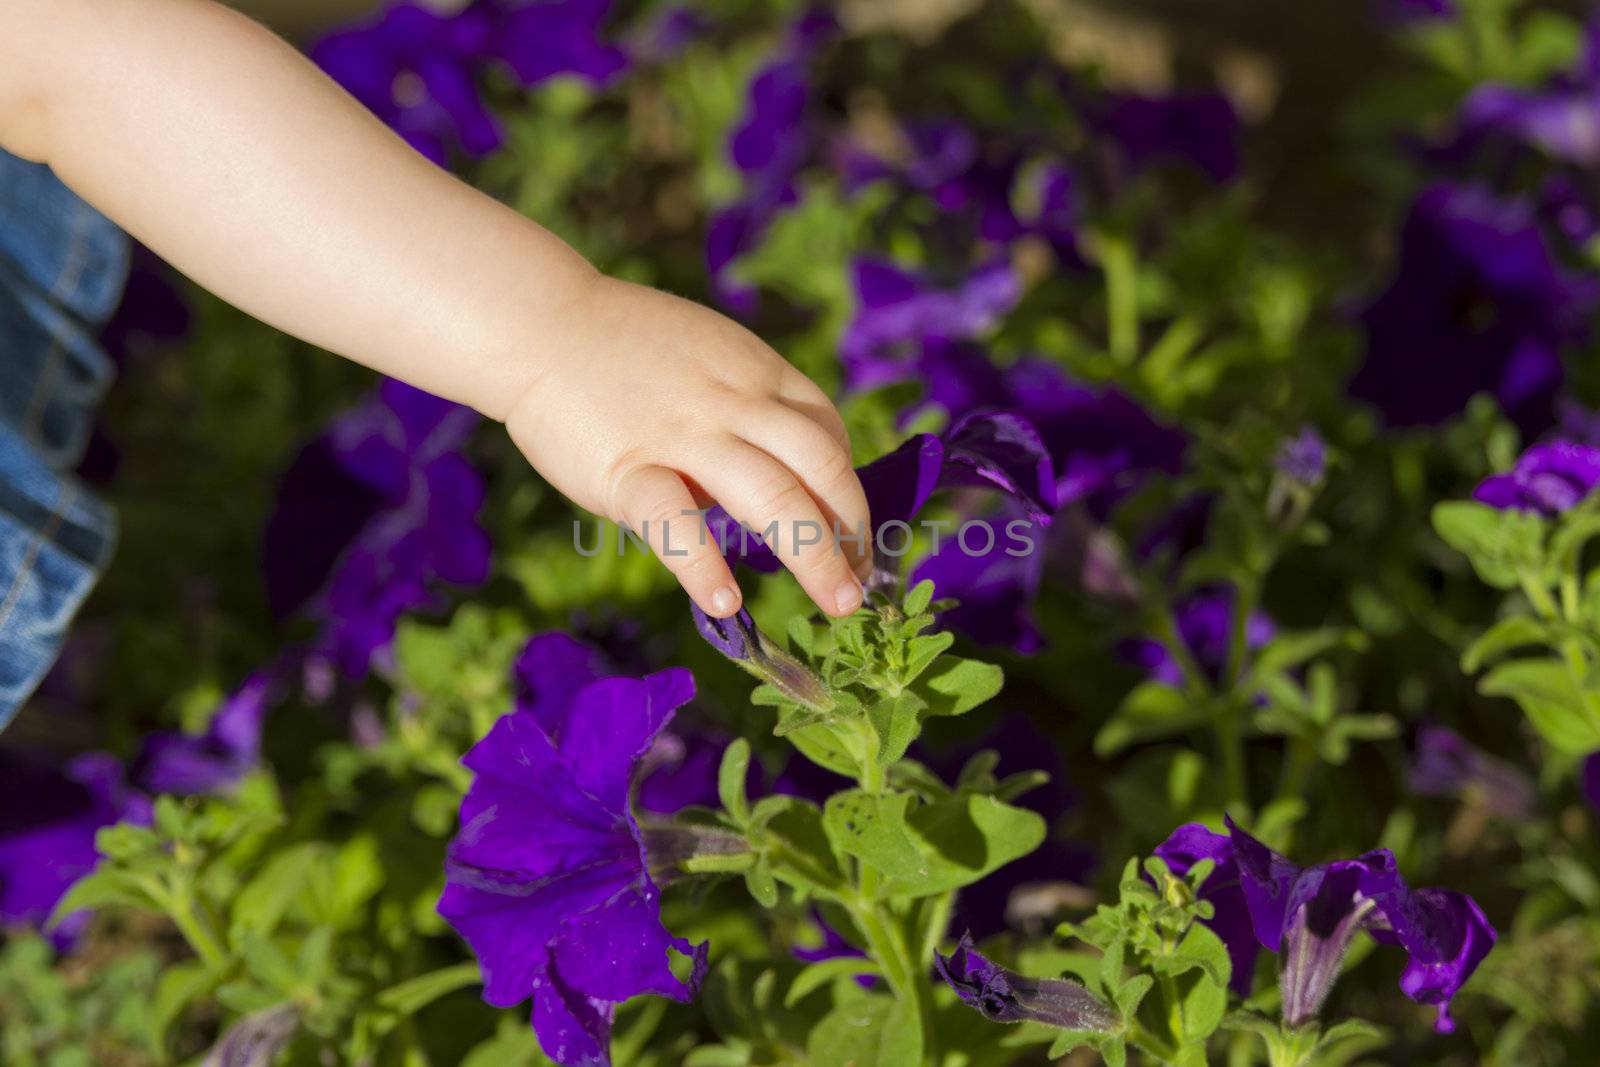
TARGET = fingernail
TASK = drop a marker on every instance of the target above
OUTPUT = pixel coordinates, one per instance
(847, 597)
(724, 601)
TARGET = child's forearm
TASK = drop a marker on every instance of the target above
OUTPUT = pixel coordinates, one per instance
(233, 157)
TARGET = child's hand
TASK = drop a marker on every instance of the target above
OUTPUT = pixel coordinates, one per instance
(270, 186)
(649, 406)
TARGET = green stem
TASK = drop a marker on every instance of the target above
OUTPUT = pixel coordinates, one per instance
(1167, 632)
(180, 906)
(1122, 297)
(1229, 736)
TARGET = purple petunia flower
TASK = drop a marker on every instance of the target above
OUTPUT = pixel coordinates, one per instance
(548, 879)
(48, 822)
(772, 142)
(901, 316)
(1559, 120)
(678, 771)
(1548, 479)
(1311, 914)
(230, 747)
(419, 70)
(1102, 443)
(1222, 889)
(540, 39)
(1446, 764)
(373, 514)
(1302, 458)
(1478, 305)
(1205, 624)
(1004, 996)
(1200, 129)
(416, 70)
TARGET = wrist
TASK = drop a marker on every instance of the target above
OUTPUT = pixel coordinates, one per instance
(539, 334)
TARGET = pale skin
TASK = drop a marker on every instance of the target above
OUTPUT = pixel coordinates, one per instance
(224, 150)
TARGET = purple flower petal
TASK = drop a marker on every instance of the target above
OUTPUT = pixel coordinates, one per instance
(1548, 479)
(547, 879)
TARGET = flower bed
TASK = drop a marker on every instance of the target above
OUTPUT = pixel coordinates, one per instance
(1228, 686)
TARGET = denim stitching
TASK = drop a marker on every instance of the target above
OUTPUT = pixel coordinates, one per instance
(32, 554)
(66, 283)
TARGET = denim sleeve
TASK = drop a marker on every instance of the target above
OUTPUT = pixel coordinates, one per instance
(62, 268)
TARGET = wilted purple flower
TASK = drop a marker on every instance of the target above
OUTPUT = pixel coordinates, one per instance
(1478, 305)
(1004, 996)
(1446, 764)
(548, 879)
(741, 640)
(230, 747)
(48, 821)
(1200, 129)
(1311, 914)
(256, 1039)
(1205, 624)
(902, 315)
(1548, 479)
(373, 513)
(1302, 458)
(417, 71)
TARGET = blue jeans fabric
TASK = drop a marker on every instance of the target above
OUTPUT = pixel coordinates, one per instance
(62, 269)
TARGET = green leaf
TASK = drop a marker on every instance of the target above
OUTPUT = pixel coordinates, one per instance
(106, 888)
(731, 778)
(896, 721)
(1150, 710)
(1548, 694)
(1501, 638)
(267, 964)
(1291, 649)
(1499, 544)
(759, 881)
(816, 975)
(873, 828)
(1130, 994)
(918, 598)
(180, 985)
(260, 905)
(414, 994)
(955, 686)
(922, 651)
(1067, 1040)
(925, 849)
(869, 1032)
(357, 871)
(1576, 529)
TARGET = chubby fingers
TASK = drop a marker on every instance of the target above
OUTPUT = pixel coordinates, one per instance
(658, 507)
(820, 461)
(770, 498)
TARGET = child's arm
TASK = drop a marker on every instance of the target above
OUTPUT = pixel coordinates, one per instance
(233, 157)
